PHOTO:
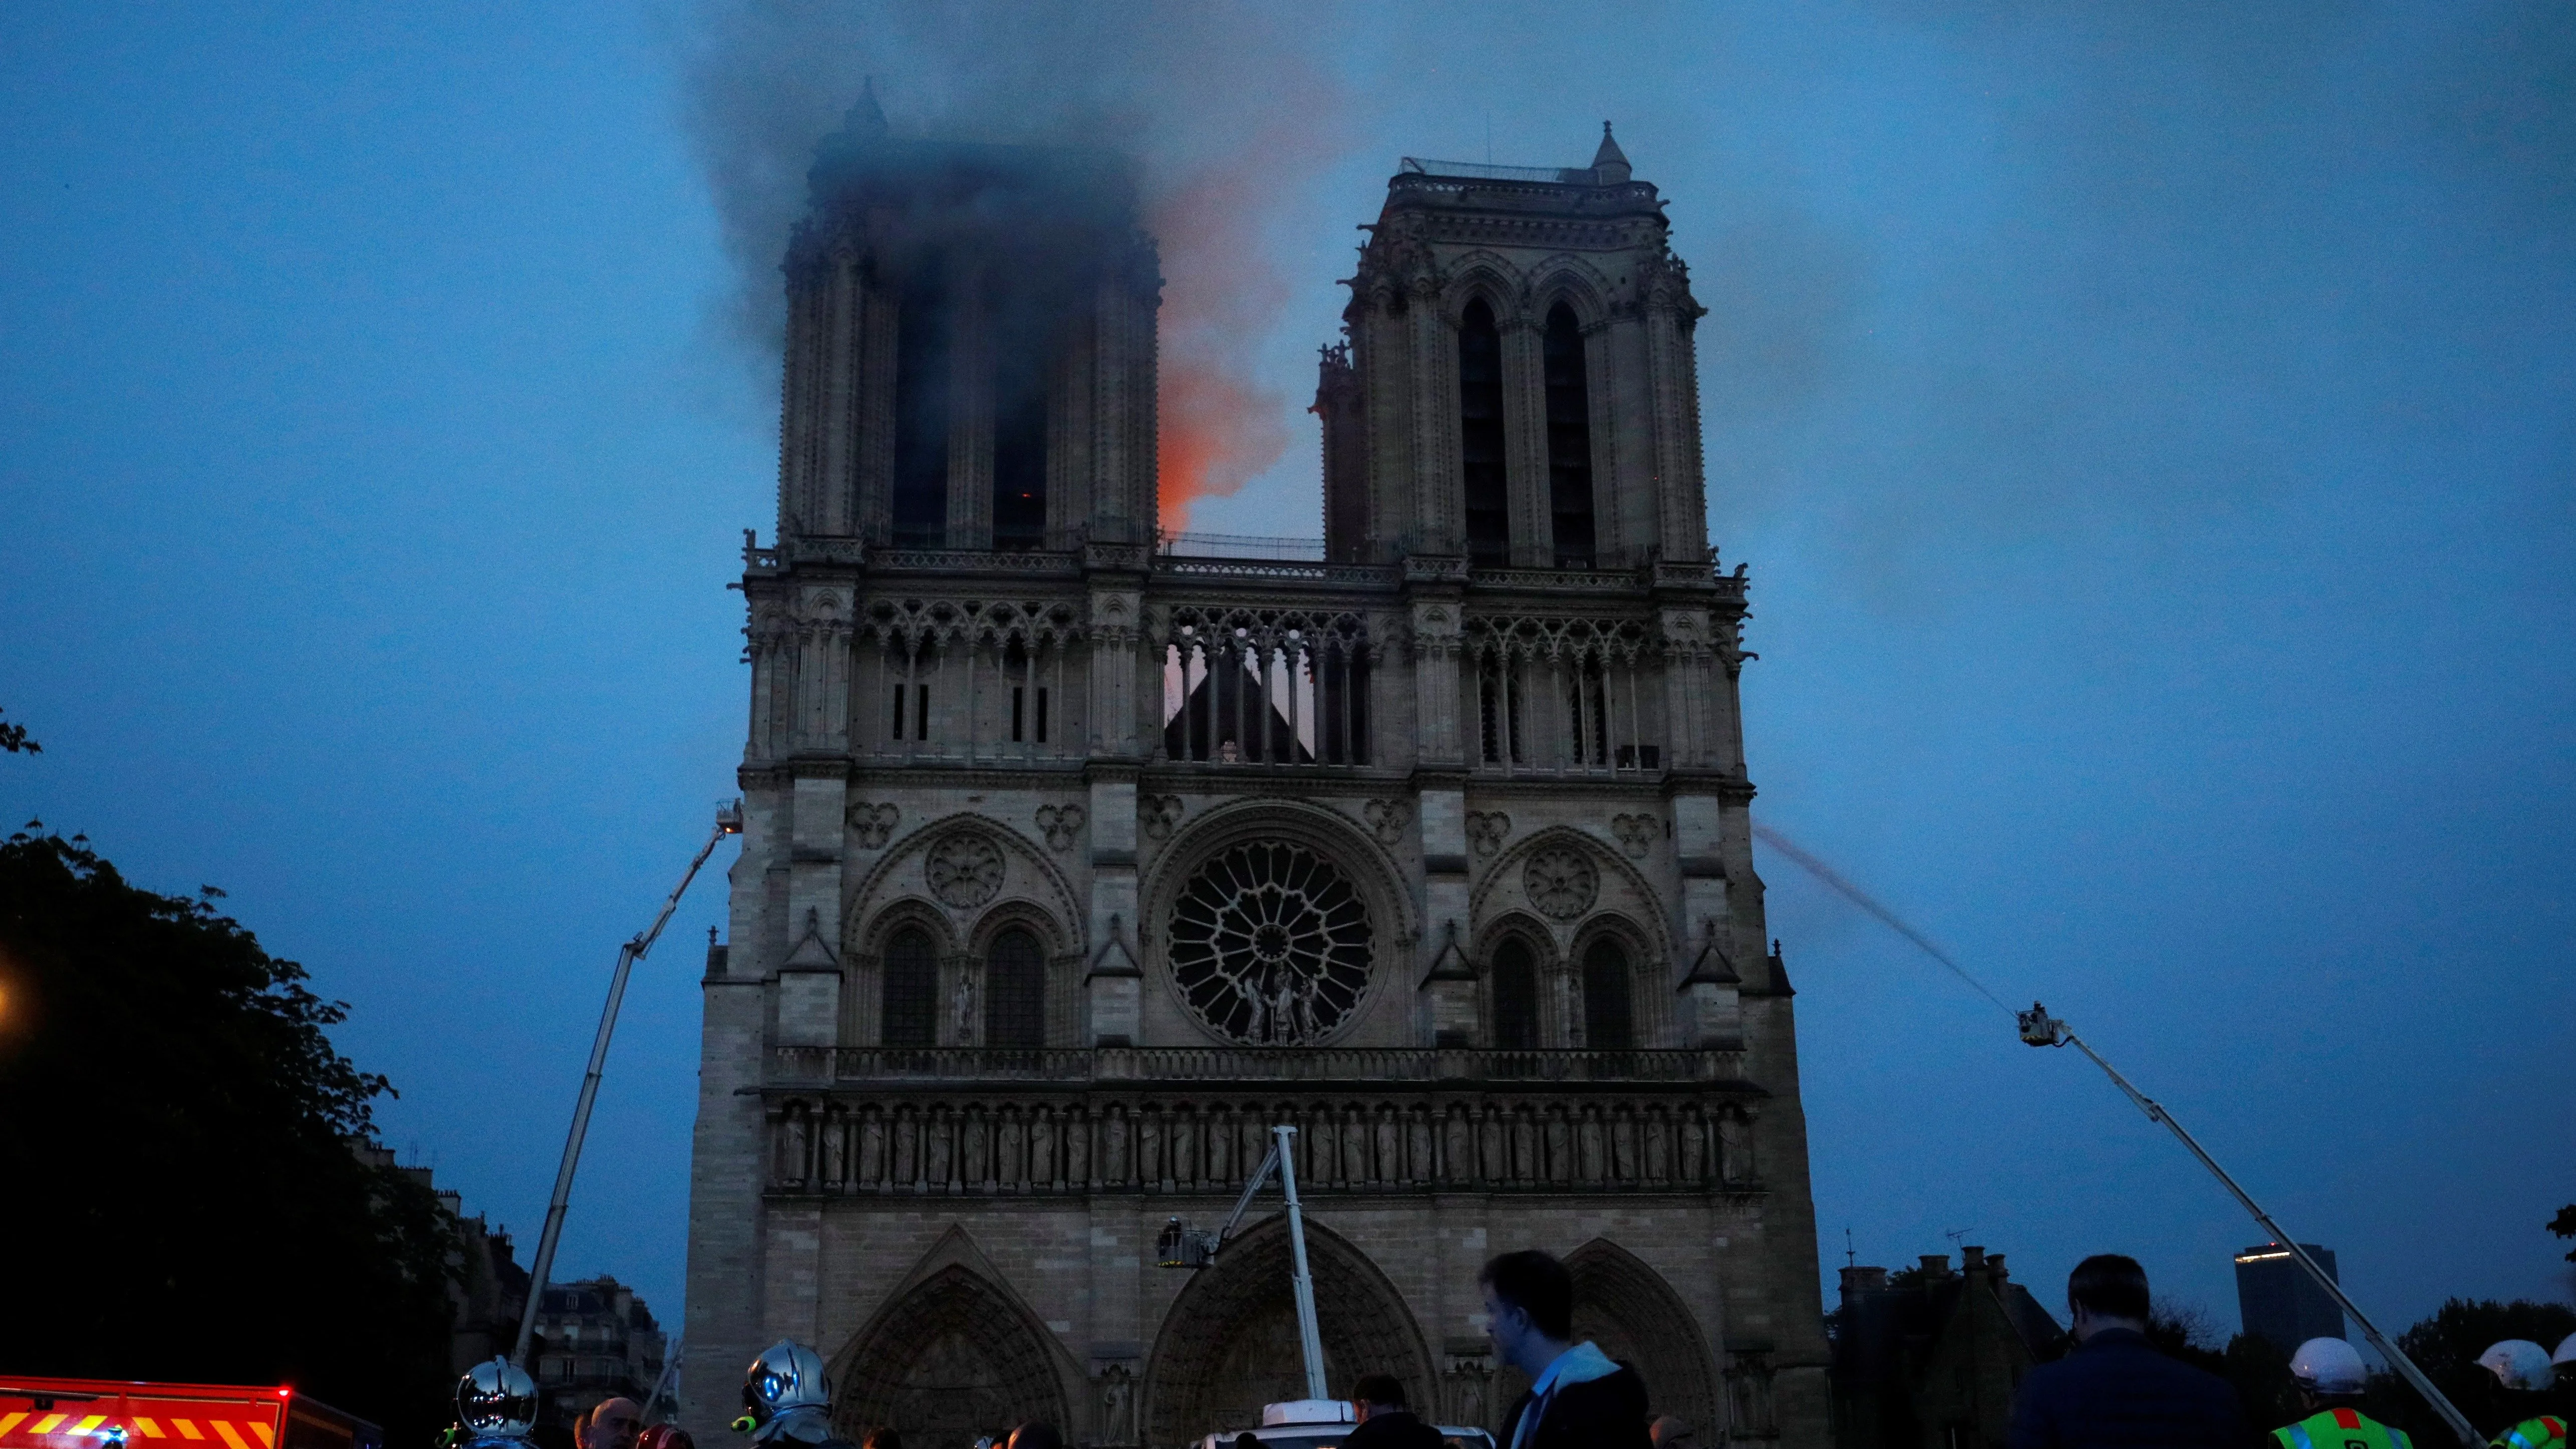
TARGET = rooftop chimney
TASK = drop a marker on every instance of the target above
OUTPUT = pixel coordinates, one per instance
(1936, 1265)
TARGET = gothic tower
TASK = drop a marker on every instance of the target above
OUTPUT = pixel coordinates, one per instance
(1077, 857)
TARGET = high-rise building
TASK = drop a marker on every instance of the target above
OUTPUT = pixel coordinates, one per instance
(2279, 1302)
(1075, 859)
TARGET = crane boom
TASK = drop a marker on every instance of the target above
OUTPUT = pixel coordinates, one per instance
(728, 822)
(2038, 1028)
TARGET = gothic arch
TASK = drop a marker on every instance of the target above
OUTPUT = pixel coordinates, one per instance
(897, 877)
(1634, 1314)
(1574, 281)
(871, 936)
(1484, 274)
(952, 1355)
(1327, 832)
(1229, 1343)
(1497, 890)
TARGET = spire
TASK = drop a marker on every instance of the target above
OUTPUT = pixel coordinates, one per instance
(865, 117)
(1609, 163)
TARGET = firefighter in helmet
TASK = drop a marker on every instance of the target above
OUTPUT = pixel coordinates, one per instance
(786, 1400)
(496, 1406)
(2331, 1379)
(2521, 1384)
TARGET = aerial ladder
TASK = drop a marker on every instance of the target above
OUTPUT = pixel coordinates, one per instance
(1182, 1246)
(728, 822)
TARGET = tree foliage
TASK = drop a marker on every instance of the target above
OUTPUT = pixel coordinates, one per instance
(13, 739)
(185, 1201)
(2564, 1226)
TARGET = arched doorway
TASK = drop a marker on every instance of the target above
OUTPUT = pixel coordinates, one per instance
(1637, 1318)
(1229, 1344)
(952, 1360)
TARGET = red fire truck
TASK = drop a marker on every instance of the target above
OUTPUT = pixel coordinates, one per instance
(114, 1414)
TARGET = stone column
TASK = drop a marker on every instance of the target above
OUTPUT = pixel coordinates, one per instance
(1533, 520)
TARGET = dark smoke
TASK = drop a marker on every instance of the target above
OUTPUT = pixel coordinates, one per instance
(1223, 110)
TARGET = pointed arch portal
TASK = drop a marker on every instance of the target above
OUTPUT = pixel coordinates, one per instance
(1627, 1308)
(953, 1359)
(1229, 1344)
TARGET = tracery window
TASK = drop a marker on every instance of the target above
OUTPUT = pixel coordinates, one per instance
(1569, 439)
(924, 328)
(1270, 944)
(1607, 1023)
(1480, 436)
(1015, 991)
(1515, 997)
(909, 993)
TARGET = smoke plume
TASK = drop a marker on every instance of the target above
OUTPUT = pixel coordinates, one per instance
(1222, 107)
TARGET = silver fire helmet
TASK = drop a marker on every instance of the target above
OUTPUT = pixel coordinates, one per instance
(2329, 1366)
(787, 1376)
(497, 1400)
(2519, 1365)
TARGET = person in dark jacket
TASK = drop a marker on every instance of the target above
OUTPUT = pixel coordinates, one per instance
(1378, 1402)
(2116, 1390)
(1578, 1398)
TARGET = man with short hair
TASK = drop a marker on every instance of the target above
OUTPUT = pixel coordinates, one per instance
(2116, 1391)
(1578, 1398)
(612, 1423)
(1377, 1401)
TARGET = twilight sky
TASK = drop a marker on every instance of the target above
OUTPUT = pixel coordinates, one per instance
(2151, 439)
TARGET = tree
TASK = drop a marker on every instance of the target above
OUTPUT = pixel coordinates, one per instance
(13, 739)
(2564, 1226)
(185, 1200)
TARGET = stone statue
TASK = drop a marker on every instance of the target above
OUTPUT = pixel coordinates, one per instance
(963, 1003)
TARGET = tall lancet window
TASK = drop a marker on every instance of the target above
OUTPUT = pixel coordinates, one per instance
(1019, 428)
(1015, 991)
(923, 352)
(1607, 1025)
(1480, 436)
(909, 1009)
(1515, 1002)
(1569, 440)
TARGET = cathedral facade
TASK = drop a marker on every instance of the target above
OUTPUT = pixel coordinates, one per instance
(1076, 856)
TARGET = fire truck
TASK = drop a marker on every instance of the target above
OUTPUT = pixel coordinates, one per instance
(116, 1414)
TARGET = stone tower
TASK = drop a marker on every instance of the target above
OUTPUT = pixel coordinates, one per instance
(1077, 857)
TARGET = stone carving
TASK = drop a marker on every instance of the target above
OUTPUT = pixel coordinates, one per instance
(1636, 833)
(961, 1004)
(1488, 829)
(1062, 824)
(1386, 820)
(1160, 814)
(1270, 944)
(1561, 883)
(965, 869)
(873, 823)
(1117, 1404)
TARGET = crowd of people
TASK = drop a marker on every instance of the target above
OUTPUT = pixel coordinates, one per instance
(2114, 1390)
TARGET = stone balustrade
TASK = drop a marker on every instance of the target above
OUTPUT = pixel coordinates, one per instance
(886, 1066)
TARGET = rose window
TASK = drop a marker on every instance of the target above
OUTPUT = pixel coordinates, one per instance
(965, 869)
(1270, 944)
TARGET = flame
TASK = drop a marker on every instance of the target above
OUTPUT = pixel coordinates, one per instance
(1218, 426)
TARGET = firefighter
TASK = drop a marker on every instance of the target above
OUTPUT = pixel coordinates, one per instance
(2521, 1391)
(496, 1406)
(2331, 1380)
(785, 1399)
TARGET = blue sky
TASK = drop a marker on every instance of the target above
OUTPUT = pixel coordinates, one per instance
(2150, 438)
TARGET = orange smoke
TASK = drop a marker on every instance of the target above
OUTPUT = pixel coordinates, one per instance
(1219, 427)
